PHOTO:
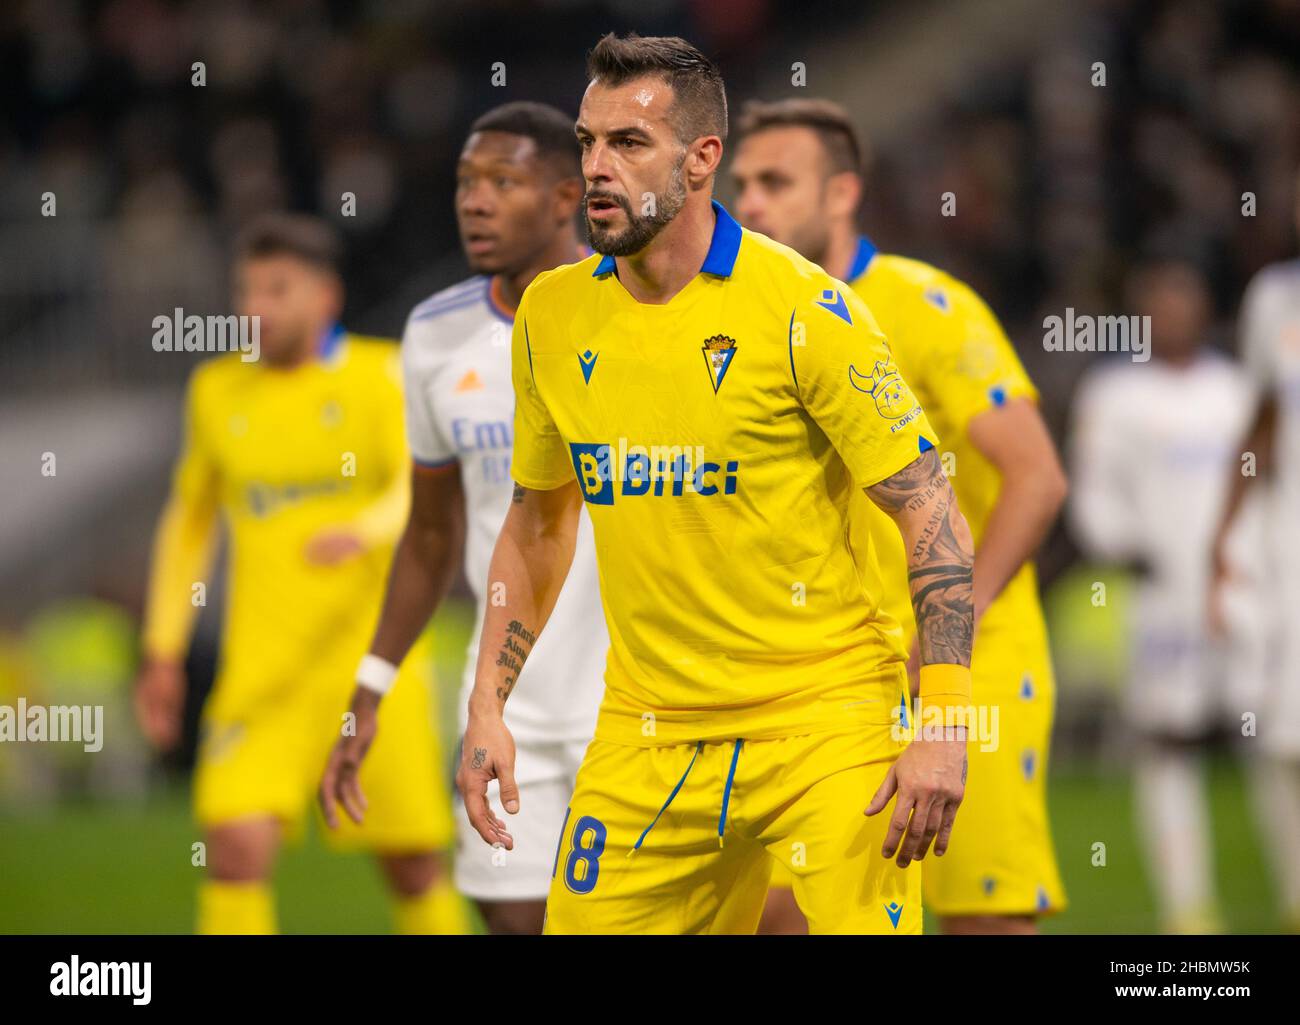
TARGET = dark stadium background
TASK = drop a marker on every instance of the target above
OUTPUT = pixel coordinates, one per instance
(1062, 187)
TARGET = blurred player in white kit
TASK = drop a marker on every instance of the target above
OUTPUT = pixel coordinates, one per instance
(1269, 337)
(1153, 445)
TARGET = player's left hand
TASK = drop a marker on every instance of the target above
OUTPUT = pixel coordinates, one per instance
(930, 780)
(332, 545)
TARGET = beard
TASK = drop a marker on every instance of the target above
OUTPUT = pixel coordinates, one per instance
(640, 229)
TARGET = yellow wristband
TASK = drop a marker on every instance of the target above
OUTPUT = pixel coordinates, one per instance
(945, 681)
(946, 688)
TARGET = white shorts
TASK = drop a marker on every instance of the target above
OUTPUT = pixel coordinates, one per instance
(544, 773)
(1183, 697)
(1184, 682)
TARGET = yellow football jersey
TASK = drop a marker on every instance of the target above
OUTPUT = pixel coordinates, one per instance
(953, 352)
(282, 455)
(717, 439)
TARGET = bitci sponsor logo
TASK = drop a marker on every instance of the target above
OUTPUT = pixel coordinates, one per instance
(657, 470)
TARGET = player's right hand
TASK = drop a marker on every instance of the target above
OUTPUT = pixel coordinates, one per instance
(160, 701)
(488, 753)
(341, 783)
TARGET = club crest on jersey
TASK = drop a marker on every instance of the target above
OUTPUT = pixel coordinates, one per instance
(893, 399)
(718, 351)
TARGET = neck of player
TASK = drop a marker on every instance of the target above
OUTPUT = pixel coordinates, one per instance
(563, 248)
(673, 257)
(840, 250)
(303, 351)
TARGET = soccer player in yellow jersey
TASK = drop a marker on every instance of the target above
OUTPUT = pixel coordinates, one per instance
(302, 453)
(798, 179)
(715, 399)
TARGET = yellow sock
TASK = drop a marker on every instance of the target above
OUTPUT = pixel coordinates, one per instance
(439, 910)
(227, 909)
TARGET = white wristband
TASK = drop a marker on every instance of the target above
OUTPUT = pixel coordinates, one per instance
(376, 674)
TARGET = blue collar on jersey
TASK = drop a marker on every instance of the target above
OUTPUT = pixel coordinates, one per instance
(330, 340)
(721, 258)
(861, 258)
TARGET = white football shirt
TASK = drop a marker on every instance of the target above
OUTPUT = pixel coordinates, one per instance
(460, 405)
(1152, 449)
(1270, 347)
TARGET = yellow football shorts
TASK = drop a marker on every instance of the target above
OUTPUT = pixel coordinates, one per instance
(1001, 860)
(267, 759)
(683, 838)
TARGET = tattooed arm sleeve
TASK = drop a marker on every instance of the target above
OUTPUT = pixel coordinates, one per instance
(940, 556)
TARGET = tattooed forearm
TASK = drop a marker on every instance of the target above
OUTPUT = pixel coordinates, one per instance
(940, 557)
(518, 496)
(912, 487)
(514, 651)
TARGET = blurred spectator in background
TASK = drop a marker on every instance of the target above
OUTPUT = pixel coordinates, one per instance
(1153, 442)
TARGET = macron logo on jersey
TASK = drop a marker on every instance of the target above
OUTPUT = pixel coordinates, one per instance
(833, 302)
(587, 360)
(674, 470)
(936, 297)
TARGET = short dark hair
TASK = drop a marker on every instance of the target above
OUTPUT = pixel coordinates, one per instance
(549, 127)
(310, 239)
(699, 97)
(828, 120)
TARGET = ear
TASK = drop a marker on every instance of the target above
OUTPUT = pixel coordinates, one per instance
(703, 160)
(334, 296)
(566, 195)
(843, 194)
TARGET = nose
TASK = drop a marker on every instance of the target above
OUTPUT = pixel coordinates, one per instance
(475, 200)
(596, 165)
(748, 205)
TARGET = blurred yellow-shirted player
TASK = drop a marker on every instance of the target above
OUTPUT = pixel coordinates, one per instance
(302, 453)
(797, 172)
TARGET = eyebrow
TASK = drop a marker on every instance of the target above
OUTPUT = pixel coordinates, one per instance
(496, 163)
(763, 174)
(626, 132)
